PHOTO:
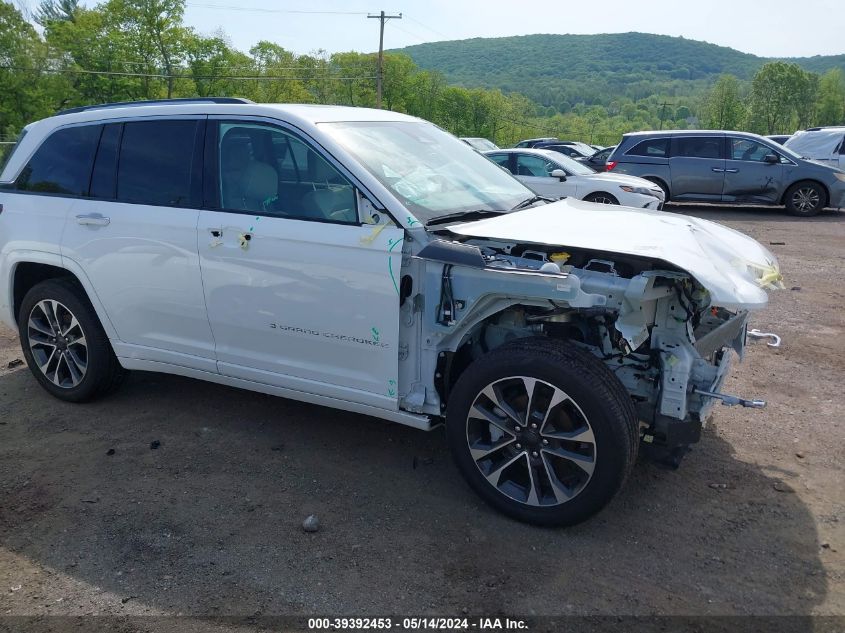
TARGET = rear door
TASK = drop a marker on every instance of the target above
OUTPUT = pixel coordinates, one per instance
(697, 167)
(135, 239)
(301, 273)
(535, 171)
(748, 177)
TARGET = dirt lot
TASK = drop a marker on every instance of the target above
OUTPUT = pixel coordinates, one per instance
(209, 524)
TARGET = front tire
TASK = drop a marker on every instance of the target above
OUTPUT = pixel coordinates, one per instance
(543, 431)
(805, 199)
(601, 197)
(64, 344)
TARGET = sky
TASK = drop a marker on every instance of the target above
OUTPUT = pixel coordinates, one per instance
(769, 28)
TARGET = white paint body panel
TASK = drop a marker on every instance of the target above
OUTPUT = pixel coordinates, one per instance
(715, 255)
(34, 234)
(582, 186)
(145, 269)
(305, 305)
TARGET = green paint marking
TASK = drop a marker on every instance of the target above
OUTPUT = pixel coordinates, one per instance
(412, 221)
(376, 334)
(392, 244)
(391, 387)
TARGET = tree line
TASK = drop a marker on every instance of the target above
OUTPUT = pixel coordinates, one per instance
(127, 50)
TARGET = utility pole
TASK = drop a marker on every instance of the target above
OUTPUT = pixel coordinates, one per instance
(663, 113)
(382, 18)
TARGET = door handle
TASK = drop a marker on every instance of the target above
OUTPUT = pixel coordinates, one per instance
(718, 170)
(732, 171)
(92, 219)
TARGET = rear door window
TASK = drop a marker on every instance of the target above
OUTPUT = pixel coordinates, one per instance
(105, 164)
(655, 147)
(62, 165)
(156, 165)
(698, 147)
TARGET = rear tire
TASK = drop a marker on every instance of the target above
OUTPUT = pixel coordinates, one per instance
(805, 199)
(64, 344)
(600, 197)
(560, 462)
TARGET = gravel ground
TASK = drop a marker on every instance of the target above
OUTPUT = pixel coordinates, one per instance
(209, 523)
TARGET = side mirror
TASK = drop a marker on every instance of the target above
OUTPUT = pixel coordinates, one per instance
(559, 174)
(771, 159)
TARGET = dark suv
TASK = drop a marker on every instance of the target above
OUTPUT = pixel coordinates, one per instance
(733, 167)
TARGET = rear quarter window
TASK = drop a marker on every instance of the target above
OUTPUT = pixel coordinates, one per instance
(655, 147)
(62, 164)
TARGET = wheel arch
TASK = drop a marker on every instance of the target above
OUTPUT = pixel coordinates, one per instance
(451, 364)
(823, 186)
(28, 271)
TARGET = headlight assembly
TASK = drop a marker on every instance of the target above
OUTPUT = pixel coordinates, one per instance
(645, 191)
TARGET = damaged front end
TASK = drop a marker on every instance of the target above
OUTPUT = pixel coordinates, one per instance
(652, 323)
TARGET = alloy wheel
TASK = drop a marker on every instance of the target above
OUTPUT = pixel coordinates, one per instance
(806, 199)
(531, 441)
(57, 343)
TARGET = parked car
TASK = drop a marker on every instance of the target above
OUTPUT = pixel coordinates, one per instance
(567, 150)
(780, 139)
(732, 167)
(582, 148)
(369, 261)
(531, 142)
(554, 175)
(481, 144)
(598, 161)
(822, 144)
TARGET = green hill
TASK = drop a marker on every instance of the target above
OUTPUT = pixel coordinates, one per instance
(559, 71)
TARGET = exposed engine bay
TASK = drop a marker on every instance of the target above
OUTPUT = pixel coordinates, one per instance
(652, 324)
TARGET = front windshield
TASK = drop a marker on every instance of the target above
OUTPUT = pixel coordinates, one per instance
(430, 171)
(572, 166)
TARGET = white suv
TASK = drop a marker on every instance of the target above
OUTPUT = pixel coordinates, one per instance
(369, 261)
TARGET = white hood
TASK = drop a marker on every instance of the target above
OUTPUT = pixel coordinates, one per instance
(732, 266)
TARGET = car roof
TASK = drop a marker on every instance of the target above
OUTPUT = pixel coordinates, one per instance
(665, 133)
(303, 116)
(298, 112)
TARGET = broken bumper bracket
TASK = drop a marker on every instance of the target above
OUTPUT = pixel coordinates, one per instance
(731, 401)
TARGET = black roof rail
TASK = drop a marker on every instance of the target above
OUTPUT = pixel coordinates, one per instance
(129, 104)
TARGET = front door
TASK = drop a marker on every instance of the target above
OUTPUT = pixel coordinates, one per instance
(135, 239)
(301, 293)
(748, 177)
(535, 171)
(697, 167)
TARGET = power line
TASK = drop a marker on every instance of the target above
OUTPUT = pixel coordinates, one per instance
(435, 31)
(229, 7)
(76, 71)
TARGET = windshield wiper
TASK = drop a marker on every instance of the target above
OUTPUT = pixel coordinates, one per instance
(532, 200)
(464, 215)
